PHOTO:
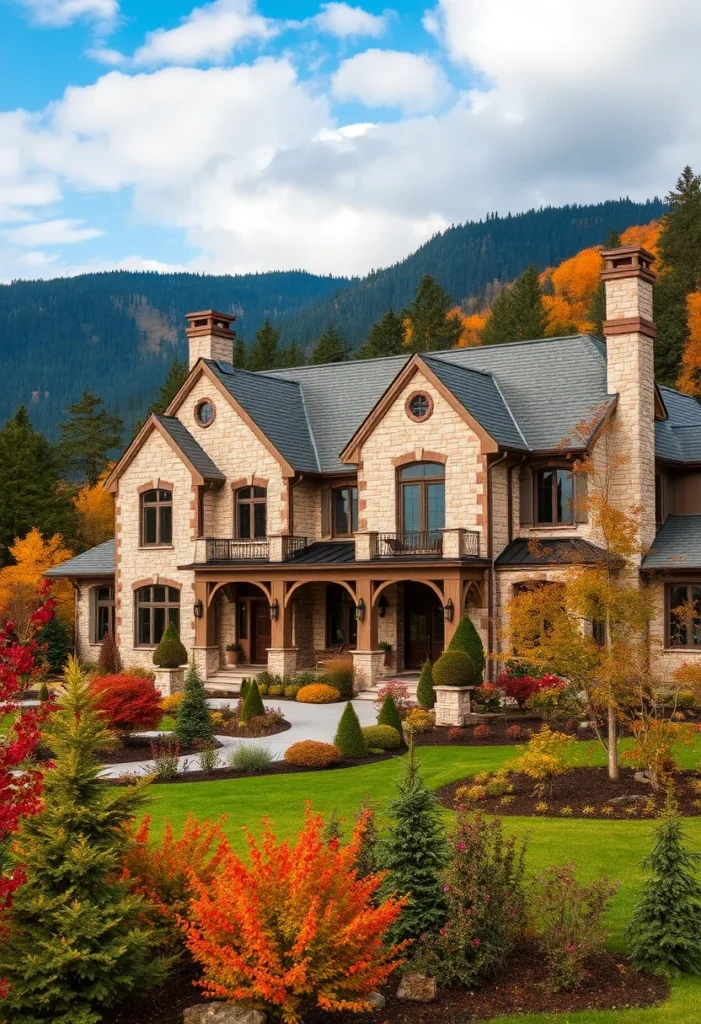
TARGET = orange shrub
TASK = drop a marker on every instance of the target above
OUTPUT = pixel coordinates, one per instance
(514, 732)
(294, 928)
(318, 693)
(481, 732)
(312, 754)
(457, 733)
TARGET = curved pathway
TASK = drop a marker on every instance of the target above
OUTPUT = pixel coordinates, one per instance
(308, 722)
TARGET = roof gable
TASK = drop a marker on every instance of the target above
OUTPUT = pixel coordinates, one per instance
(180, 440)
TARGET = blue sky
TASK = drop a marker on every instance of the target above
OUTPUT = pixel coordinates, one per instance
(232, 135)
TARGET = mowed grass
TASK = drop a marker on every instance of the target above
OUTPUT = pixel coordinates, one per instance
(613, 848)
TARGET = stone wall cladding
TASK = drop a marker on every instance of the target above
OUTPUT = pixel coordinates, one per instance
(86, 649)
(306, 511)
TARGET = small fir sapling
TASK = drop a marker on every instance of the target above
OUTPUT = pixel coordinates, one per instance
(389, 715)
(349, 736)
(253, 705)
(425, 694)
(467, 639)
(367, 861)
(170, 652)
(192, 721)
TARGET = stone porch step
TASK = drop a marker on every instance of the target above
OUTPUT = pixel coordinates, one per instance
(409, 679)
(230, 677)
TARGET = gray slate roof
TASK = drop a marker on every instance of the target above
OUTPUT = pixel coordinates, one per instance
(679, 437)
(98, 561)
(677, 544)
(549, 551)
(191, 449)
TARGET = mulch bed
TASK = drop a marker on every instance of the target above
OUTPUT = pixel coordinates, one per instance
(520, 988)
(438, 737)
(139, 749)
(580, 788)
(241, 732)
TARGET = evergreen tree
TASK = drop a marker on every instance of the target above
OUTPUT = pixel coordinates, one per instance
(330, 348)
(291, 356)
(501, 322)
(192, 722)
(75, 941)
(88, 436)
(349, 737)
(665, 930)
(243, 690)
(385, 338)
(680, 251)
(264, 353)
(252, 706)
(333, 831)
(414, 854)
(175, 378)
(389, 715)
(613, 240)
(425, 694)
(368, 860)
(467, 639)
(55, 637)
(432, 328)
(518, 313)
(240, 354)
(31, 494)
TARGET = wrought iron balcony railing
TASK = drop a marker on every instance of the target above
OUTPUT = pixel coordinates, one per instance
(225, 549)
(411, 542)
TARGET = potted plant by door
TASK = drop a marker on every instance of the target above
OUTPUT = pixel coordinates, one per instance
(387, 648)
(233, 653)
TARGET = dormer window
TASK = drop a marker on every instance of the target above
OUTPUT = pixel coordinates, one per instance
(156, 517)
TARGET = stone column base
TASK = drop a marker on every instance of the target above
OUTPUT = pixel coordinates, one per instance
(206, 660)
(452, 704)
(170, 680)
(367, 668)
(282, 661)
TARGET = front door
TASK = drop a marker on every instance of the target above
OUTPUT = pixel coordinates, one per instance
(260, 629)
(424, 626)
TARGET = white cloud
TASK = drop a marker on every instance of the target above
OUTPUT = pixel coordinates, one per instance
(388, 78)
(208, 33)
(51, 232)
(106, 55)
(342, 20)
(59, 13)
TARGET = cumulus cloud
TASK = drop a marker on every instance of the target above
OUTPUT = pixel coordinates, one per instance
(59, 13)
(388, 78)
(342, 20)
(208, 33)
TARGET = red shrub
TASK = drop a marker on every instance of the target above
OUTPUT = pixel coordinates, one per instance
(481, 732)
(457, 734)
(129, 702)
(514, 732)
(520, 688)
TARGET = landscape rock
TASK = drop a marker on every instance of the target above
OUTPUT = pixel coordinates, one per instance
(377, 1000)
(643, 777)
(417, 988)
(222, 1013)
(633, 798)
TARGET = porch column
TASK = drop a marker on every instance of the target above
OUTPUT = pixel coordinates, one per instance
(282, 656)
(452, 594)
(367, 659)
(205, 652)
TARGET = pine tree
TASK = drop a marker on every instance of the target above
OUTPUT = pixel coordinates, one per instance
(529, 311)
(253, 705)
(385, 338)
(368, 860)
(75, 942)
(330, 348)
(501, 322)
(425, 694)
(613, 240)
(240, 354)
(432, 326)
(291, 356)
(31, 494)
(88, 436)
(665, 931)
(192, 722)
(349, 737)
(55, 638)
(243, 690)
(467, 639)
(175, 378)
(414, 854)
(264, 353)
(389, 715)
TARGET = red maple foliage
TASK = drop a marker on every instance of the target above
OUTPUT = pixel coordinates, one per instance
(520, 688)
(129, 702)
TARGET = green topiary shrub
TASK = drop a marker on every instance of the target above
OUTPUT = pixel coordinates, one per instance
(192, 722)
(389, 715)
(43, 692)
(253, 703)
(170, 652)
(349, 736)
(454, 668)
(244, 689)
(425, 694)
(55, 637)
(382, 737)
(467, 639)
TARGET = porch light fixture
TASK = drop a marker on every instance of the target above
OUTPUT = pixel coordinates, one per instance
(274, 611)
(382, 606)
(360, 610)
(198, 609)
(449, 610)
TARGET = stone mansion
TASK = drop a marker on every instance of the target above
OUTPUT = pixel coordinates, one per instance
(355, 504)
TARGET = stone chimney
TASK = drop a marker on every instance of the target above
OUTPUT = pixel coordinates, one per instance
(210, 336)
(630, 369)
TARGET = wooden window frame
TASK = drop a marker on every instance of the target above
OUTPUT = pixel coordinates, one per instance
(554, 469)
(251, 502)
(167, 604)
(353, 526)
(95, 605)
(160, 503)
(424, 481)
(689, 621)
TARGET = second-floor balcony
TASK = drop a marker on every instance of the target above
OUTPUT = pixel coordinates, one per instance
(263, 549)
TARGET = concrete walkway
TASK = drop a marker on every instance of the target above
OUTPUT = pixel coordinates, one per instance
(308, 722)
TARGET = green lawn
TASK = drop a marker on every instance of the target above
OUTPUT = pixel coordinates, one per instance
(599, 847)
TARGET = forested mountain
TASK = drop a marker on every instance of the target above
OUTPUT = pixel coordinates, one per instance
(115, 333)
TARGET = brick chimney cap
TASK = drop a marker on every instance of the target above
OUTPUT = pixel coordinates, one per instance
(627, 261)
(211, 314)
(628, 250)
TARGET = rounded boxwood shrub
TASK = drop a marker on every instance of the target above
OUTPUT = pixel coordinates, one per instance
(454, 668)
(170, 652)
(349, 737)
(382, 737)
(312, 754)
(318, 693)
(467, 639)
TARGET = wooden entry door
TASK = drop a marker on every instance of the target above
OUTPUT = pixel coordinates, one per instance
(260, 630)
(424, 627)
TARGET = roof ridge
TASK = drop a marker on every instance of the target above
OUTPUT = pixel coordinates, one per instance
(508, 409)
(428, 356)
(309, 428)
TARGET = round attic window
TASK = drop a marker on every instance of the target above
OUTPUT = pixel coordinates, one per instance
(204, 413)
(419, 406)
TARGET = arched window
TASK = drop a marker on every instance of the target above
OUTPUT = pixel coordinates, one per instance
(157, 517)
(422, 498)
(156, 607)
(251, 513)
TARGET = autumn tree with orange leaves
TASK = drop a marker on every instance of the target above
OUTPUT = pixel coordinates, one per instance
(20, 582)
(95, 508)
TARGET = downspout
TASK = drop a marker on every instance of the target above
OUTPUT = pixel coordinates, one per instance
(490, 556)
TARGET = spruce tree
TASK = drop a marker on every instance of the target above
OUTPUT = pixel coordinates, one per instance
(414, 854)
(529, 311)
(501, 322)
(264, 353)
(425, 694)
(291, 356)
(467, 639)
(349, 737)
(385, 338)
(432, 326)
(76, 941)
(31, 493)
(175, 378)
(330, 348)
(88, 436)
(192, 722)
(252, 706)
(56, 641)
(240, 354)
(665, 931)
(389, 714)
